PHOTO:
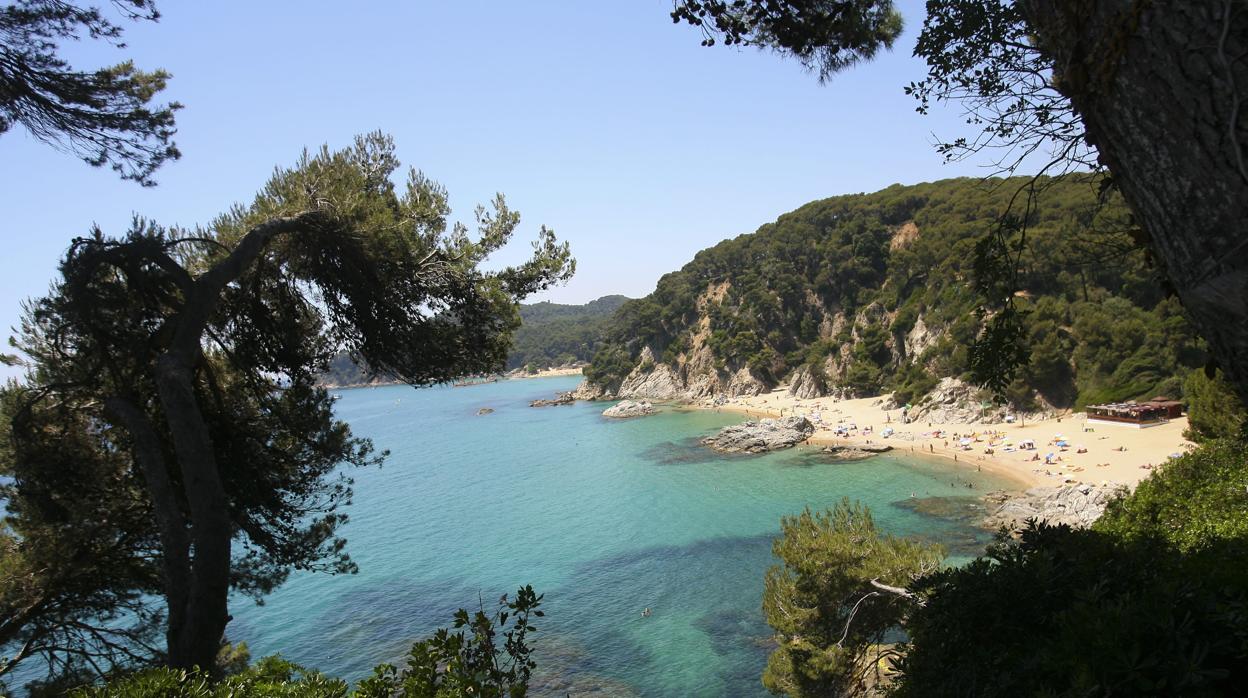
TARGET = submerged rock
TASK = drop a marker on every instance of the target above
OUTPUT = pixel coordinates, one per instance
(761, 436)
(855, 452)
(629, 408)
(1076, 505)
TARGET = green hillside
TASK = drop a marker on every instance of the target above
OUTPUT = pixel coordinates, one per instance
(553, 334)
(867, 293)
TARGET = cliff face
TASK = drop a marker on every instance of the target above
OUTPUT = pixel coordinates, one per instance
(868, 294)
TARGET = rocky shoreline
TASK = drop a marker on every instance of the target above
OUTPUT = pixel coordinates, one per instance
(1075, 505)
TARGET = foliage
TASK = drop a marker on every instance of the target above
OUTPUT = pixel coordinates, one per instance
(1153, 599)
(825, 35)
(464, 664)
(821, 603)
(552, 334)
(1094, 317)
(460, 664)
(184, 362)
(1197, 504)
(104, 116)
(74, 566)
(1214, 411)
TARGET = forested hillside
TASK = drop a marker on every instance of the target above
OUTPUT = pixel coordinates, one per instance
(550, 334)
(553, 334)
(867, 293)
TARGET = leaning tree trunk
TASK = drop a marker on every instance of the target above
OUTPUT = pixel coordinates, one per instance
(1162, 88)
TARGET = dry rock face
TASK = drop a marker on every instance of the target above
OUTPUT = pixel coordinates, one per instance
(1076, 505)
(588, 391)
(629, 408)
(761, 436)
(804, 384)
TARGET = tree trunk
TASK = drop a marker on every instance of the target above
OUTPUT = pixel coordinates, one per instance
(1162, 88)
(196, 643)
(175, 542)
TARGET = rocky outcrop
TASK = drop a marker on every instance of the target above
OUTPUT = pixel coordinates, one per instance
(629, 408)
(919, 338)
(744, 383)
(761, 436)
(588, 391)
(560, 399)
(805, 384)
(1076, 505)
(855, 452)
(652, 380)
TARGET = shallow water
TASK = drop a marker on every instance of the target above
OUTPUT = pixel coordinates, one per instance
(604, 517)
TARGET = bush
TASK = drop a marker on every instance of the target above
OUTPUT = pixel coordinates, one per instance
(464, 664)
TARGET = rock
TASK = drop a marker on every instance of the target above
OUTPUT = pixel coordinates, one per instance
(761, 436)
(485, 410)
(560, 399)
(652, 380)
(588, 391)
(1077, 505)
(660, 382)
(629, 408)
(855, 452)
(805, 384)
(744, 383)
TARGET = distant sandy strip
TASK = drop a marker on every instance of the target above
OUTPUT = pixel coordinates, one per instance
(1113, 453)
(549, 373)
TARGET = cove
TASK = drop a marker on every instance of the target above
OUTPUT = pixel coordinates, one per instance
(605, 517)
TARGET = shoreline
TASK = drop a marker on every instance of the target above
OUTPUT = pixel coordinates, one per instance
(1111, 454)
(545, 373)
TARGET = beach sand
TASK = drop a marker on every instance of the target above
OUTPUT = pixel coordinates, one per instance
(548, 373)
(1103, 461)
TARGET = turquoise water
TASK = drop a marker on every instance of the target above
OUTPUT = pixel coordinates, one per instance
(603, 517)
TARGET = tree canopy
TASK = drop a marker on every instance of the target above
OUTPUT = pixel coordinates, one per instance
(184, 362)
(106, 116)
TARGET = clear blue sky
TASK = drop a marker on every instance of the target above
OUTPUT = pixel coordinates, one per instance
(602, 120)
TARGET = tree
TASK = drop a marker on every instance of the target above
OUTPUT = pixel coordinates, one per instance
(837, 591)
(1078, 78)
(73, 569)
(193, 355)
(1212, 409)
(105, 117)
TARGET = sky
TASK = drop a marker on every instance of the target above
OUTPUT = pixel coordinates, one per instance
(602, 120)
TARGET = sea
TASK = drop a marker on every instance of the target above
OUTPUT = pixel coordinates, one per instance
(604, 517)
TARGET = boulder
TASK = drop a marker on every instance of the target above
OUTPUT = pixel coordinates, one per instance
(1077, 505)
(761, 436)
(629, 408)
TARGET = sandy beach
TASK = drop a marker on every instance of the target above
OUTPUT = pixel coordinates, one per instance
(548, 373)
(1096, 453)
